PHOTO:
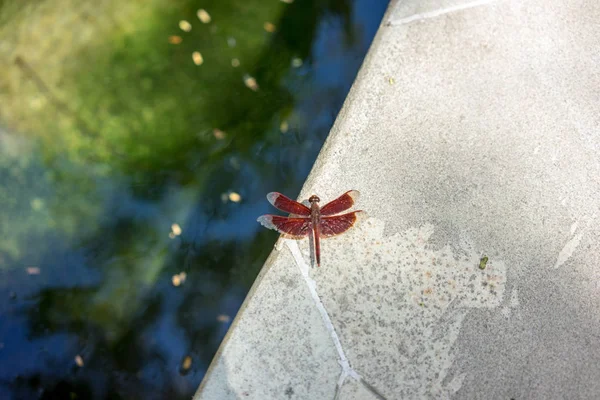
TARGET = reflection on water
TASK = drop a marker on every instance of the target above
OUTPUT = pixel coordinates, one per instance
(137, 142)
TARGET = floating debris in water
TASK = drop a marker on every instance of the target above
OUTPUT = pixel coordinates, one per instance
(284, 126)
(483, 262)
(176, 229)
(231, 42)
(250, 83)
(296, 62)
(178, 279)
(203, 16)
(223, 318)
(235, 197)
(224, 197)
(37, 102)
(269, 27)
(235, 62)
(33, 271)
(174, 39)
(79, 360)
(185, 26)
(186, 364)
(197, 57)
(218, 134)
(37, 204)
(287, 1)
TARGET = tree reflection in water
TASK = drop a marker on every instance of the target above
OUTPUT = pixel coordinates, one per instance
(133, 197)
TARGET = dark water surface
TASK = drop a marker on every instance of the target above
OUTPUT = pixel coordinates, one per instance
(131, 177)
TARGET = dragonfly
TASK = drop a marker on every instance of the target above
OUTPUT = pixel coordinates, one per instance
(323, 221)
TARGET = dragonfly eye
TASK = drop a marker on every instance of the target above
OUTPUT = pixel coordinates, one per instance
(314, 199)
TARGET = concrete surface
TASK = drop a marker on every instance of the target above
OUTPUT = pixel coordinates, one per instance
(472, 129)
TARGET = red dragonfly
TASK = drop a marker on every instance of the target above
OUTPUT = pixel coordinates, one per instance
(321, 221)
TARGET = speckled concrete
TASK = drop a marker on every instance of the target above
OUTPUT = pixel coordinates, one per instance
(472, 130)
(258, 355)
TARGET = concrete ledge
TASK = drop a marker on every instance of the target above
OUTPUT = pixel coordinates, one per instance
(472, 130)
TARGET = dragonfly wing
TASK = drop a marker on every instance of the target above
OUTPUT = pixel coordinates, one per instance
(286, 204)
(340, 204)
(286, 225)
(331, 226)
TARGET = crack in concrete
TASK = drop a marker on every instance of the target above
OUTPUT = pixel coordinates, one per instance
(347, 370)
(437, 13)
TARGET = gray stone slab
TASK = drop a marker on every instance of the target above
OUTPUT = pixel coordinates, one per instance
(278, 346)
(472, 130)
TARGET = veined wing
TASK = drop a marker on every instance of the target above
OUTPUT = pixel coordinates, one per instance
(286, 204)
(340, 204)
(287, 225)
(331, 226)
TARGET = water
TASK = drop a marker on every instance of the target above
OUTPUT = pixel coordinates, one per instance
(132, 172)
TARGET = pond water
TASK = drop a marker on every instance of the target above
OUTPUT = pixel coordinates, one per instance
(137, 143)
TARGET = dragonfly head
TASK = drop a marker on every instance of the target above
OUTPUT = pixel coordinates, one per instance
(314, 199)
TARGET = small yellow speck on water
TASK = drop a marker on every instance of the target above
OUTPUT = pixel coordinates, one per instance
(223, 318)
(250, 83)
(187, 363)
(197, 57)
(203, 16)
(37, 204)
(176, 229)
(185, 26)
(79, 360)
(284, 126)
(296, 62)
(269, 27)
(37, 102)
(235, 62)
(176, 280)
(174, 39)
(218, 134)
(235, 197)
(179, 279)
(33, 270)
